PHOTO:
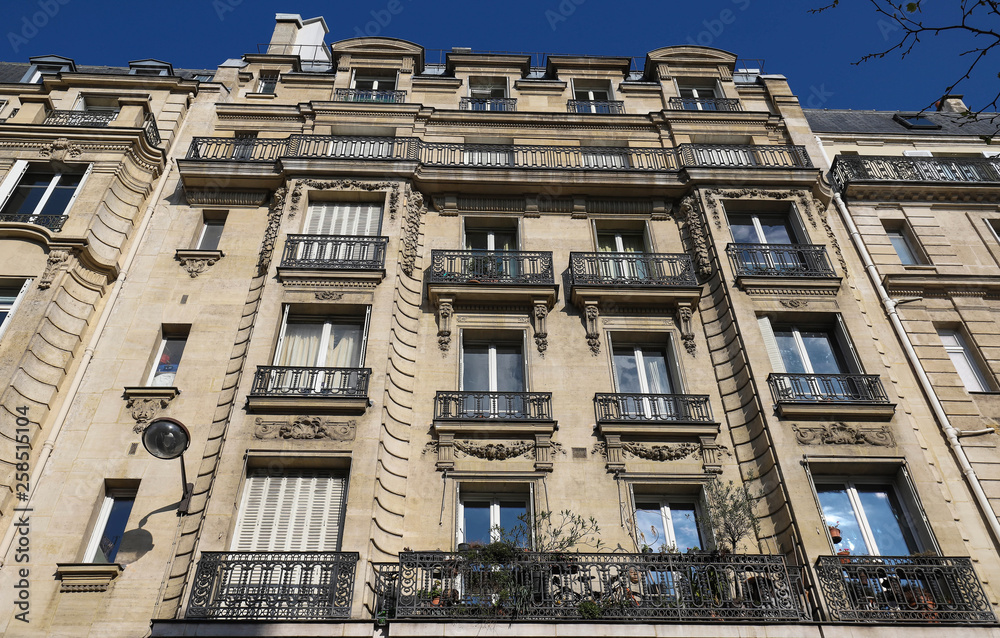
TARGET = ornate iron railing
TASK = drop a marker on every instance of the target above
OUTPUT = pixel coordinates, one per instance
(826, 388)
(780, 260)
(632, 269)
(488, 104)
(918, 589)
(444, 154)
(80, 118)
(359, 95)
(491, 267)
(652, 407)
(881, 168)
(151, 130)
(615, 107)
(280, 381)
(334, 252)
(52, 222)
(496, 406)
(705, 104)
(571, 586)
(242, 149)
(273, 585)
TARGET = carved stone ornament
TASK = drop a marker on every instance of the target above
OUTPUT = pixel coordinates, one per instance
(59, 148)
(445, 312)
(56, 261)
(667, 452)
(793, 303)
(305, 428)
(197, 265)
(144, 410)
(684, 315)
(328, 295)
(843, 434)
(590, 314)
(541, 334)
(691, 220)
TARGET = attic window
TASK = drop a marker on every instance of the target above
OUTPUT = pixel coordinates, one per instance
(150, 68)
(915, 121)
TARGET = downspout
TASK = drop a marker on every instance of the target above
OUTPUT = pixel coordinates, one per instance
(925, 383)
(88, 353)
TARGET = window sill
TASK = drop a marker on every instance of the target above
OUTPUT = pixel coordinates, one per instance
(262, 96)
(838, 410)
(311, 404)
(87, 577)
(151, 392)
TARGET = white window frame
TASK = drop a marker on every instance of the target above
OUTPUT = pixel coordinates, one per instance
(327, 321)
(13, 306)
(665, 501)
(619, 234)
(90, 554)
(13, 178)
(589, 90)
(367, 74)
(973, 377)
(841, 340)
(715, 90)
(491, 235)
(156, 360)
(493, 374)
(528, 497)
(476, 84)
(910, 256)
(850, 484)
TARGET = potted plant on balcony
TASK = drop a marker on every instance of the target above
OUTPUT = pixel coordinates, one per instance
(835, 534)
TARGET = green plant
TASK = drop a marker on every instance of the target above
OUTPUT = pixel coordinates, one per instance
(589, 610)
(730, 510)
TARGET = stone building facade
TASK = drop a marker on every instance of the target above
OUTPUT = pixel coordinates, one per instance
(399, 298)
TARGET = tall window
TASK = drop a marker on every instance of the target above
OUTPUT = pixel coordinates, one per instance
(480, 515)
(810, 350)
(664, 522)
(11, 293)
(647, 370)
(30, 191)
(291, 510)
(333, 342)
(904, 243)
(268, 82)
(815, 358)
(168, 358)
(110, 528)
(964, 361)
(872, 517)
(374, 80)
(211, 233)
(487, 94)
(592, 91)
(342, 220)
(491, 369)
(699, 98)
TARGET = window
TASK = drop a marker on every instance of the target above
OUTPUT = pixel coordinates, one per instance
(31, 192)
(291, 510)
(872, 518)
(903, 242)
(621, 241)
(268, 82)
(964, 361)
(321, 342)
(491, 238)
(97, 104)
(810, 350)
(493, 245)
(168, 357)
(211, 230)
(488, 94)
(670, 523)
(11, 293)
(647, 369)
(761, 228)
(592, 96)
(339, 220)
(815, 362)
(110, 528)
(915, 121)
(480, 516)
(373, 86)
(698, 98)
(494, 375)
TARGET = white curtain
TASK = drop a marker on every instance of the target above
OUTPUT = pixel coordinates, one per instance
(301, 345)
(344, 348)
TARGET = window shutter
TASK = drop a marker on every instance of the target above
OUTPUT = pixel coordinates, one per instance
(911, 502)
(344, 219)
(770, 344)
(11, 180)
(291, 511)
(847, 347)
(79, 188)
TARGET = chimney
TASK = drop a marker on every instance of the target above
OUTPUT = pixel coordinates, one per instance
(951, 104)
(286, 31)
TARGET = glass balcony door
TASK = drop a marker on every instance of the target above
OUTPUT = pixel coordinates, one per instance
(493, 369)
(761, 228)
(317, 343)
(871, 518)
(622, 243)
(486, 264)
(643, 369)
(341, 221)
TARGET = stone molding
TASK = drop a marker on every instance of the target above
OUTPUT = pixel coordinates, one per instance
(840, 433)
(305, 428)
(146, 403)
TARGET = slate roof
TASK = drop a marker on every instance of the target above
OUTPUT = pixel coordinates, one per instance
(881, 122)
(12, 72)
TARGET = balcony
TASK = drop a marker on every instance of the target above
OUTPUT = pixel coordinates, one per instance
(488, 104)
(273, 586)
(911, 589)
(359, 95)
(633, 413)
(329, 390)
(623, 588)
(874, 171)
(607, 107)
(493, 406)
(52, 222)
(781, 265)
(476, 275)
(842, 395)
(311, 257)
(98, 119)
(237, 149)
(704, 104)
(632, 278)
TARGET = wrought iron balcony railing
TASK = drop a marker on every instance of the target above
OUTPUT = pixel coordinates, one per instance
(878, 168)
(454, 155)
(652, 408)
(334, 252)
(705, 104)
(780, 260)
(359, 95)
(826, 388)
(52, 222)
(273, 586)
(98, 119)
(281, 381)
(491, 267)
(614, 107)
(913, 589)
(632, 269)
(488, 104)
(495, 406)
(151, 131)
(570, 586)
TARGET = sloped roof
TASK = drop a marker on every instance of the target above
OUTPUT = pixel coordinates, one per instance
(12, 72)
(882, 122)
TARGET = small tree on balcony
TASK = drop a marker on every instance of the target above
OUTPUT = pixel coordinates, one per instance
(730, 509)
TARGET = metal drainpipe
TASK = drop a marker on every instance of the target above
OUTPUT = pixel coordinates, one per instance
(950, 432)
(88, 353)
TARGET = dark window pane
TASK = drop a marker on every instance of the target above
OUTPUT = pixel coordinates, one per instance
(477, 521)
(114, 529)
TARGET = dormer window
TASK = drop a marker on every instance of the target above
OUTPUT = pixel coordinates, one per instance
(150, 67)
(42, 66)
(593, 96)
(915, 121)
(374, 80)
(267, 82)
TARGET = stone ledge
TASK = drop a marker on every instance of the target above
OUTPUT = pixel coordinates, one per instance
(87, 577)
(151, 392)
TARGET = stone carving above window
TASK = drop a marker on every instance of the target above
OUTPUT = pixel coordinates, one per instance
(305, 428)
(843, 434)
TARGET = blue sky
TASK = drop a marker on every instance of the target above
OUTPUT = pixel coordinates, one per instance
(814, 52)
